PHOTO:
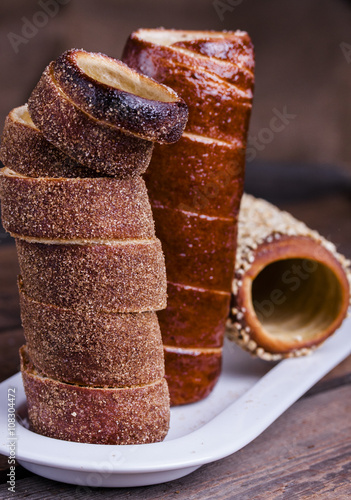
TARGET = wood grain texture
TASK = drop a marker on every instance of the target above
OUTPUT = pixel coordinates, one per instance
(10, 342)
(9, 301)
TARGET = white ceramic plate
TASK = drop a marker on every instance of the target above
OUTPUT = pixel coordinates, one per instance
(249, 396)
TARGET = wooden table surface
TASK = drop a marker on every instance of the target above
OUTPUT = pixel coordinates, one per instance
(305, 454)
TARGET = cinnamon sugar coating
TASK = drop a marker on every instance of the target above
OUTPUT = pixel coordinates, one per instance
(122, 276)
(75, 208)
(191, 374)
(96, 145)
(24, 149)
(129, 415)
(91, 348)
(161, 117)
(93, 272)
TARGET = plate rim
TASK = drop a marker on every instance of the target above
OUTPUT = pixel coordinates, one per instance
(198, 447)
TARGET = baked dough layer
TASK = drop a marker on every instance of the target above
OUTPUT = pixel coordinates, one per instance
(129, 415)
(127, 276)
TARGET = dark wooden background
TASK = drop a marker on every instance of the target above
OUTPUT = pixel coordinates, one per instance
(299, 61)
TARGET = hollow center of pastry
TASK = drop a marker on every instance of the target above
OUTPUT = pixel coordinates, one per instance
(296, 299)
(21, 115)
(116, 75)
(169, 37)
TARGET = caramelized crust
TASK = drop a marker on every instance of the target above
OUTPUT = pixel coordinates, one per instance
(194, 317)
(195, 192)
(198, 249)
(201, 92)
(91, 348)
(112, 92)
(97, 145)
(75, 208)
(233, 46)
(195, 64)
(122, 276)
(24, 149)
(198, 175)
(129, 415)
(229, 56)
(191, 373)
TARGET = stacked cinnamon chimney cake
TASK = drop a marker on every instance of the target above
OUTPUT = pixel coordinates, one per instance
(92, 270)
